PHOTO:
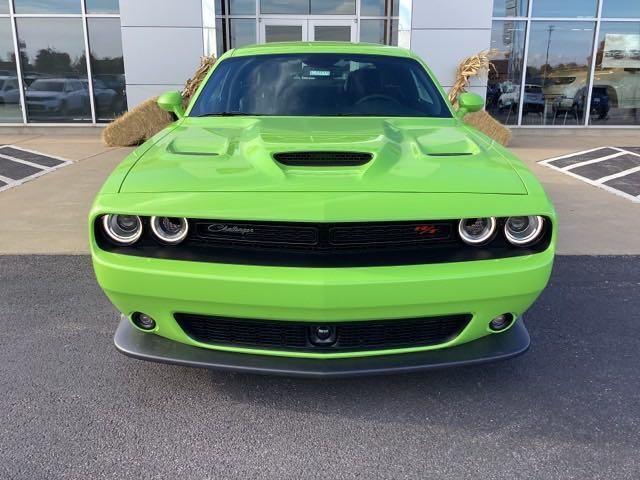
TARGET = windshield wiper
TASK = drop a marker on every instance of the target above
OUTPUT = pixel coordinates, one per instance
(230, 114)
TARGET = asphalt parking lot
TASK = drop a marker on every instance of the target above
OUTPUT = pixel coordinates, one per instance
(72, 407)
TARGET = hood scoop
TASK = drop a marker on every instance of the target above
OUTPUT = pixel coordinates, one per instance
(323, 159)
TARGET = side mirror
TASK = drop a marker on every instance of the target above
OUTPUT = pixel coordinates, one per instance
(469, 102)
(171, 102)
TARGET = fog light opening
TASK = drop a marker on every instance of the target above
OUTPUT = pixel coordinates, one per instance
(501, 322)
(143, 321)
(322, 335)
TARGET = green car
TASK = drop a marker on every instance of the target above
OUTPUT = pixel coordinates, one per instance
(321, 209)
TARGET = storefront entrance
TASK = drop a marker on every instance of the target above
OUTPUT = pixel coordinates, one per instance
(306, 29)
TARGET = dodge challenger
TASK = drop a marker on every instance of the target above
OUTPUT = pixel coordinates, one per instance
(321, 209)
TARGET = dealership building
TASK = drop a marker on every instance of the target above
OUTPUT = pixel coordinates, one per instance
(569, 63)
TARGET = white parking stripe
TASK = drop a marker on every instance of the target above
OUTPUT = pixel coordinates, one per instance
(24, 162)
(575, 154)
(595, 160)
(609, 189)
(6, 180)
(10, 182)
(16, 147)
(618, 175)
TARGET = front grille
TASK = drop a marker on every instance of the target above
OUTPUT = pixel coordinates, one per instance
(321, 236)
(349, 336)
(323, 159)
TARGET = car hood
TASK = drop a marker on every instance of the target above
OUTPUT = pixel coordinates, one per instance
(226, 154)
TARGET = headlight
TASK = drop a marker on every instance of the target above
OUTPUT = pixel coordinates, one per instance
(476, 231)
(170, 230)
(122, 229)
(522, 231)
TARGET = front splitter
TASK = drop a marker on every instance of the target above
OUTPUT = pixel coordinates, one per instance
(154, 348)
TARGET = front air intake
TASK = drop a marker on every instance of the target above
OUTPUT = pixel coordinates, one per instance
(323, 159)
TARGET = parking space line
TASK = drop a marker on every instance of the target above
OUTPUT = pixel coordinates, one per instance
(589, 162)
(601, 182)
(574, 154)
(25, 170)
(24, 162)
(14, 151)
(618, 175)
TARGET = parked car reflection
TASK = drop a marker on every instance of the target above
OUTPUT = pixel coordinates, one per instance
(599, 102)
(55, 97)
(9, 90)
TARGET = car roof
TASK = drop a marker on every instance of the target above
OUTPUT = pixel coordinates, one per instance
(320, 47)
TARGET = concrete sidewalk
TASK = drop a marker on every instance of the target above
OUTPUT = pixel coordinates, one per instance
(48, 215)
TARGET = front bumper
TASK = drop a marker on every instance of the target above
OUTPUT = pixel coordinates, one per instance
(161, 288)
(143, 346)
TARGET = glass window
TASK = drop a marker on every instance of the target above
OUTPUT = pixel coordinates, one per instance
(559, 63)
(615, 97)
(10, 110)
(395, 8)
(221, 45)
(107, 67)
(394, 32)
(373, 8)
(621, 9)
(220, 7)
(333, 7)
(4, 6)
(332, 33)
(54, 69)
(243, 31)
(372, 31)
(321, 85)
(510, 8)
(505, 77)
(102, 6)
(284, 6)
(242, 7)
(564, 8)
(47, 6)
(283, 33)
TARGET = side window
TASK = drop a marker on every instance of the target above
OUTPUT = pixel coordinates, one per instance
(422, 91)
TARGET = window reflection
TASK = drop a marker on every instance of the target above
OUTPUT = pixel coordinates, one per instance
(333, 7)
(54, 69)
(9, 88)
(372, 31)
(373, 8)
(615, 97)
(564, 8)
(107, 67)
(505, 78)
(621, 8)
(558, 62)
(243, 31)
(284, 6)
(47, 6)
(242, 7)
(102, 6)
(510, 8)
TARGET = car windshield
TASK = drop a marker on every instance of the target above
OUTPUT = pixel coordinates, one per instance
(320, 85)
(46, 86)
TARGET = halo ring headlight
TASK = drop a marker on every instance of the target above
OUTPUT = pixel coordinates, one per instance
(122, 229)
(523, 231)
(171, 230)
(477, 231)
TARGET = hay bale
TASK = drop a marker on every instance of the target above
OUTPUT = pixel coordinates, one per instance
(136, 125)
(489, 126)
(471, 67)
(145, 120)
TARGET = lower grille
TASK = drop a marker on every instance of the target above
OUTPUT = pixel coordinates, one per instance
(349, 336)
